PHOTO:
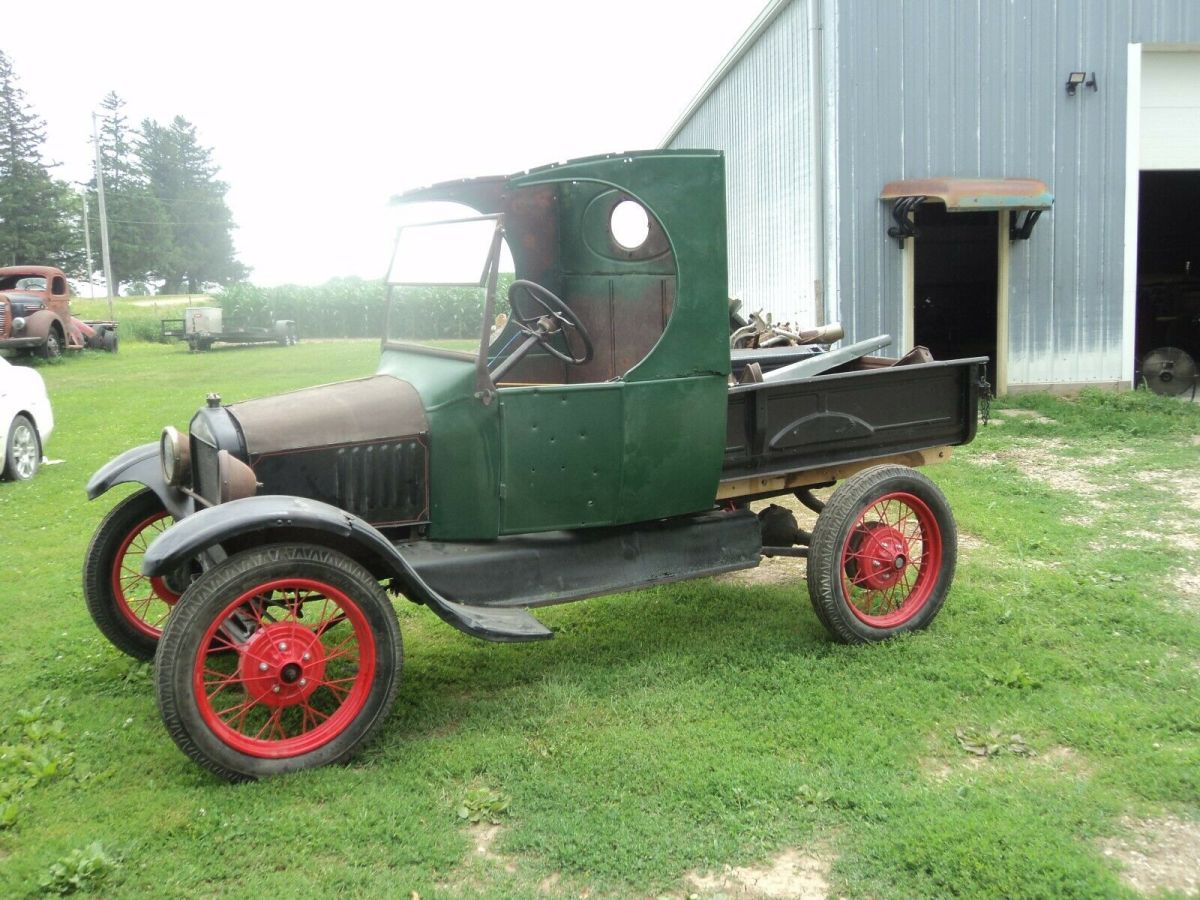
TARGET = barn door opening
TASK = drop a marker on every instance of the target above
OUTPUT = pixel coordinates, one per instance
(1167, 323)
(956, 281)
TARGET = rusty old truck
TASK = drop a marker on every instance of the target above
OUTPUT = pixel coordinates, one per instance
(35, 315)
(605, 438)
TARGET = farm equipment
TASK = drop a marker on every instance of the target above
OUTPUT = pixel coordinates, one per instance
(35, 315)
(605, 438)
(203, 326)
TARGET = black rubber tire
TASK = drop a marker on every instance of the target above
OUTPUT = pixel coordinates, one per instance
(16, 427)
(52, 348)
(208, 597)
(832, 533)
(111, 342)
(97, 573)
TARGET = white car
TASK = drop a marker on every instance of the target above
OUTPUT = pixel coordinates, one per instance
(26, 420)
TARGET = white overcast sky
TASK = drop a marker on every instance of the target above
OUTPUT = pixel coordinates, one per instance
(318, 113)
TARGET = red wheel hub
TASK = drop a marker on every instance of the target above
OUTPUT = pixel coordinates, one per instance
(282, 664)
(881, 556)
(891, 560)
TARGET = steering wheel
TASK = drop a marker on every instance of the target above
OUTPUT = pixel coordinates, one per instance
(555, 317)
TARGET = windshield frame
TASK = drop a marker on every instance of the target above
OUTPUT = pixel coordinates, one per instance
(488, 280)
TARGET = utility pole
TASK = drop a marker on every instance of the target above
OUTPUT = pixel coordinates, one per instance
(87, 243)
(108, 285)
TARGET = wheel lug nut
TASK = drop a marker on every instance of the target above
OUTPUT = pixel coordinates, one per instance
(282, 647)
(262, 667)
(306, 657)
(303, 682)
(275, 689)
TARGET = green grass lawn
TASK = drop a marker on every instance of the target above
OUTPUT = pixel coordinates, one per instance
(1050, 712)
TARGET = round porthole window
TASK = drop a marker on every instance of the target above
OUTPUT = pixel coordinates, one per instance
(630, 225)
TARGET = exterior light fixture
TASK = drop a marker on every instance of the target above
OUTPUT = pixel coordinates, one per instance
(1075, 79)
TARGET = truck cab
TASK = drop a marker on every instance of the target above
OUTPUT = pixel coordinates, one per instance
(618, 414)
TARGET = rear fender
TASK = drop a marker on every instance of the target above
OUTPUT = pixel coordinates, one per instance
(140, 466)
(288, 516)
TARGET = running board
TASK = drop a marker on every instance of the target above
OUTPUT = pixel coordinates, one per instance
(489, 585)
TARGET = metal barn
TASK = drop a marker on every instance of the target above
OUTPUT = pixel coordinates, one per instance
(1014, 177)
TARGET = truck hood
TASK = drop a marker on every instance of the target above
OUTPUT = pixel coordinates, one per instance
(366, 410)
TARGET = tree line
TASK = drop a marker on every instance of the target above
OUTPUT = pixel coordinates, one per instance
(167, 216)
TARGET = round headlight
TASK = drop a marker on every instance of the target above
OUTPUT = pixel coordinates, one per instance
(176, 457)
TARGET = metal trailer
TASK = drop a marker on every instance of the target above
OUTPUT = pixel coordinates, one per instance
(203, 326)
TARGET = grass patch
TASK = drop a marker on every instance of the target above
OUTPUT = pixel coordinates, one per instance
(677, 730)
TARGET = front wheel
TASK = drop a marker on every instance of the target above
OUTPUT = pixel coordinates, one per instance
(280, 658)
(53, 347)
(128, 607)
(882, 555)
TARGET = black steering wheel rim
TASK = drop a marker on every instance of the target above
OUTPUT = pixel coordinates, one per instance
(556, 310)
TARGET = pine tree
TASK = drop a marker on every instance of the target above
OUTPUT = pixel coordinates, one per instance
(183, 177)
(38, 214)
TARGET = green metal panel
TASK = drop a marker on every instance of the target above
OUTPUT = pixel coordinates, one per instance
(685, 190)
(670, 428)
(561, 456)
(464, 444)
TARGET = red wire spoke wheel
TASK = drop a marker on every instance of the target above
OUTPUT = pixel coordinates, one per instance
(281, 658)
(129, 608)
(144, 601)
(301, 676)
(882, 556)
(891, 559)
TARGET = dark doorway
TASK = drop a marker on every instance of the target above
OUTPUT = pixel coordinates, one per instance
(1168, 272)
(955, 281)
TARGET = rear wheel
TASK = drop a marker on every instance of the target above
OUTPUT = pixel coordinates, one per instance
(280, 658)
(128, 607)
(882, 555)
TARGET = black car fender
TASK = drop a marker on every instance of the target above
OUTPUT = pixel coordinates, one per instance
(140, 465)
(284, 519)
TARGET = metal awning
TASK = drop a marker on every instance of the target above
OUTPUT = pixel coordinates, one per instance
(1025, 199)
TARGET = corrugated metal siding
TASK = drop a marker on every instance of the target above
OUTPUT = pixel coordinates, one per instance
(763, 115)
(976, 88)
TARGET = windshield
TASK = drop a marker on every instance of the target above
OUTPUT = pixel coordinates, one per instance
(439, 279)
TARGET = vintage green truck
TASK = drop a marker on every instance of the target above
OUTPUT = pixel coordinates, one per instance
(604, 439)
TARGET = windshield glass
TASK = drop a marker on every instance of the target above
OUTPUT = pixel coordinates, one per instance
(438, 280)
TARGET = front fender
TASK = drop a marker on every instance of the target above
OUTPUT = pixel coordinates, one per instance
(38, 324)
(140, 466)
(209, 527)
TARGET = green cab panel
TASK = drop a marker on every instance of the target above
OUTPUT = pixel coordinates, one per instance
(560, 456)
(464, 443)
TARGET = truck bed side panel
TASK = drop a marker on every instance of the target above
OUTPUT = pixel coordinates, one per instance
(838, 418)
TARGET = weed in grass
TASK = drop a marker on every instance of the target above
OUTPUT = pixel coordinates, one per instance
(1012, 676)
(992, 742)
(88, 869)
(31, 752)
(482, 804)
